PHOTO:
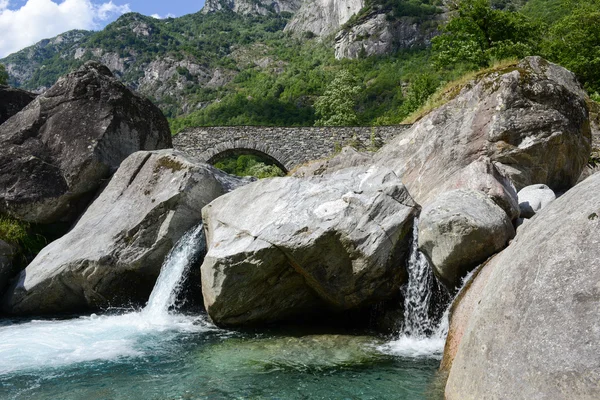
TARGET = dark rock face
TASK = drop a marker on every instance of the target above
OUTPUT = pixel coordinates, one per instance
(57, 151)
(12, 101)
(531, 329)
(7, 254)
(290, 246)
(114, 253)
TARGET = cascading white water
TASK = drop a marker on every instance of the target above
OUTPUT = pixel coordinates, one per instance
(422, 335)
(417, 292)
(173, 273)
(43, 344)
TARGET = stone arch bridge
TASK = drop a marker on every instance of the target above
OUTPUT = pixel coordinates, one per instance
(285, 147)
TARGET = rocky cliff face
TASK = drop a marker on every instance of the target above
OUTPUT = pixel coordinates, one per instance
(323, 17)
(378, 35)
(23, 65)
(262, 7)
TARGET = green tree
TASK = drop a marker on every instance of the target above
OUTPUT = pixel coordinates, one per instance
(336, 106)
(3, 75)
(477, 35)
(574, 42)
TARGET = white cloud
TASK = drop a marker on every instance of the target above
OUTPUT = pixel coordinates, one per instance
(157, 16)
(40, 19)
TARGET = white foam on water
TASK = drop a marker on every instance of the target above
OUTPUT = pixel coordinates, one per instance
(40, 344)
(55, 343)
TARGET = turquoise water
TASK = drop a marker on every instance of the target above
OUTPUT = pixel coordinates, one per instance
(159, 353)
(127, 357)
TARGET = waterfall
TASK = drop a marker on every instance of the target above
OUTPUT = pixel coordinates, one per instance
(422, 335)
(174, 271)
(52, 343)
(418, 291)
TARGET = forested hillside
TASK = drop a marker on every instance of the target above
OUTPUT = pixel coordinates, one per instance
(231, 68)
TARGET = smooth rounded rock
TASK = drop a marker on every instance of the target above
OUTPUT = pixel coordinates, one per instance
(459, 230)
(533, 198)
(530, 120)
(7, 254)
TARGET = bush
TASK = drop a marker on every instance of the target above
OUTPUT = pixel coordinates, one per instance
(249, 165)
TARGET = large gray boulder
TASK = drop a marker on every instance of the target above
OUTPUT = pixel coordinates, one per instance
(114, 253)
(289, 246)
(12, 101)
(534, 332)
(57, 152)
(459, 230)
(533, 198)
(529, 122)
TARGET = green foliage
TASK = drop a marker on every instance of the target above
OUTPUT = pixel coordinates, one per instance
(574, 42)
(3, 75)
(336, 106)
(546, 11)
(419, 91)
(273, 78)
(408, 8)
(249, 165)
(13, 231)
(245, 110)
(28, 239)
(478, 34)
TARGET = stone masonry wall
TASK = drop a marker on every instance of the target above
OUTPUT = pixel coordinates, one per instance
(288, 147)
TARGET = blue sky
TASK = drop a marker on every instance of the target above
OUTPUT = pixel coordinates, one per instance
(162, 7)
(25, 22)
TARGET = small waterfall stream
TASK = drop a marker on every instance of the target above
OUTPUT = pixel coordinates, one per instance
(422, 335)
(418, 292)
(174, 271)
(53, 343)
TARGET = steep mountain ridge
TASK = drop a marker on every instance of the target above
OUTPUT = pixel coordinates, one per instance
(187, 63)
(261, 7)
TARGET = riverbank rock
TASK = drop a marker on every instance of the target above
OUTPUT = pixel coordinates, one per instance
(533, 198)
(12, 101)
(459, 230)
(290, 246)
(534, 333)
(56, 152)
(114, 253)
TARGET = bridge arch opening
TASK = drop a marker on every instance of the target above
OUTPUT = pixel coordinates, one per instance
(226, 157)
